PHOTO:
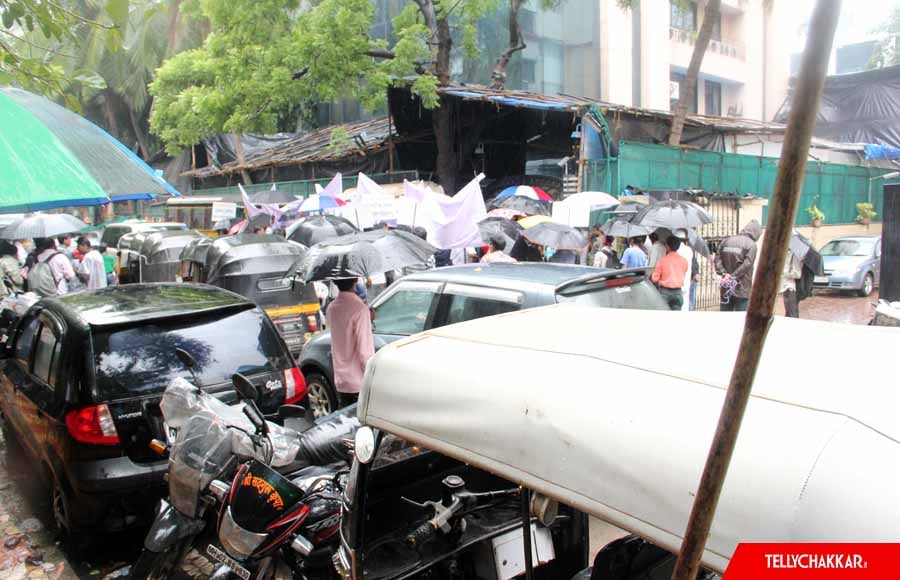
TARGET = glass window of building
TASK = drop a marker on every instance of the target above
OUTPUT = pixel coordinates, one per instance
(684, 18)
(713, 98)
(679, 78)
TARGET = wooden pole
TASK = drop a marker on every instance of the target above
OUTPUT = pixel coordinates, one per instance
(788, 181)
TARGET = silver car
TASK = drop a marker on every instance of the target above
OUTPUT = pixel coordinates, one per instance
(851, 263)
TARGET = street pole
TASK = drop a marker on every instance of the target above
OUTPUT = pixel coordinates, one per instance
(788, 182)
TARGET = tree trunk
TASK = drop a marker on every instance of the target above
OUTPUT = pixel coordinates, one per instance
(689, 89)
(445, 164)
(239, 156)
(109, 113)
(174, 17)
(516, 43)
(139, 135)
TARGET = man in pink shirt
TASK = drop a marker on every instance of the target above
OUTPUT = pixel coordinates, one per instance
(352, 344)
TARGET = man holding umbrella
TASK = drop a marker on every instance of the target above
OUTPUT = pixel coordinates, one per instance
(669, 274)
(352, 344)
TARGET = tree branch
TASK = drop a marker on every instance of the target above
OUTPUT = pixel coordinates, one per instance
(380, 53)
(81, 18)
(33, 45)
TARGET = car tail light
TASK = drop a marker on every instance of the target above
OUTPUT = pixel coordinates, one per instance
(619, 282)
(312, 323)
(294, 386)
(93, 425)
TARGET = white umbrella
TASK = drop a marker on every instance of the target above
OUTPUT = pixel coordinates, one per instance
(576, 209)
(42, 225)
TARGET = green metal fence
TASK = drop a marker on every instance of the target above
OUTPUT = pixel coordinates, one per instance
(834, 188)
(305, 187)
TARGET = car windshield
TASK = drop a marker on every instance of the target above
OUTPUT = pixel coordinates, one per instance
(140, 359)
(640, 296)
(848, 248)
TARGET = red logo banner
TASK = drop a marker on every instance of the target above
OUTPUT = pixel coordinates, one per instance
(814, 561)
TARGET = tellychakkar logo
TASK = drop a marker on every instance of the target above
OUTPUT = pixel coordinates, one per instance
(752, 561)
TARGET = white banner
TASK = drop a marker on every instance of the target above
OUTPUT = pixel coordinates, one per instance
(222, 210)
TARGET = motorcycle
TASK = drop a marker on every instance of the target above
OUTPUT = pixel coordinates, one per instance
(207, 439)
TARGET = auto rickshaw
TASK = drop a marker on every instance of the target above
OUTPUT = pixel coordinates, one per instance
(193, 260)
(599, 426)
(160, 257)
(256, 267)
(129, 256)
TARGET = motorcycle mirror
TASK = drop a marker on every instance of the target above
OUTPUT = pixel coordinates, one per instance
(364, 444)
(245, 389)
(185, 357)
(291, 412)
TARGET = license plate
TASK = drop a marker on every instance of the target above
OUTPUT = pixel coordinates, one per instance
(820, 280)
(223, 558)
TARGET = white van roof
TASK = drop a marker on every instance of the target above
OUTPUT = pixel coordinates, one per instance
(613, 412)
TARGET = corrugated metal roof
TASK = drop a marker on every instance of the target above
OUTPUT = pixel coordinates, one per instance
(365, 137)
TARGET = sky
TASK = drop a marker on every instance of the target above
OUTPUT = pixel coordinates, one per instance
(858, 19)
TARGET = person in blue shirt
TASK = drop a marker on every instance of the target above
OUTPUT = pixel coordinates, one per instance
(634, 256)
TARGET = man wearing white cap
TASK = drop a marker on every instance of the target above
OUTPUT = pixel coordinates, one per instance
(686, 252)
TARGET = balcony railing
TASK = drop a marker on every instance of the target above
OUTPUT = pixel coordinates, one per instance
(723, 47)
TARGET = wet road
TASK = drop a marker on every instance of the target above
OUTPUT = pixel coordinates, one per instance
(29, 550)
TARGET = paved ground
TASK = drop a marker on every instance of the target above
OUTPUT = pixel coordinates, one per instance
(29, 551)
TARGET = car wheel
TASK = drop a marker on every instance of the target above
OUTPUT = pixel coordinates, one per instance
(321, 395)
(868, 285)
(60, 510)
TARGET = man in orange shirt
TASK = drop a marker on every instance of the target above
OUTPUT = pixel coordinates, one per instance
(669, 273)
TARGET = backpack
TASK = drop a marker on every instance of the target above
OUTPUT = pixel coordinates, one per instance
(41, 280)
(612, 260)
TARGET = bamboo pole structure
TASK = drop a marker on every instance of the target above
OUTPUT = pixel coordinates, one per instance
(786, 196)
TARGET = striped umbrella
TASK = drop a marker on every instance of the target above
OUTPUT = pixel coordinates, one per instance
(51, 157)
(535, 193)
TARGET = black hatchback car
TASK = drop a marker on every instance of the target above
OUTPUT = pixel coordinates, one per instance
(83, 375)
(441, 296)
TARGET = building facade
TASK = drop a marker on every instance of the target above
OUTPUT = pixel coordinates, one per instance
(635, 57)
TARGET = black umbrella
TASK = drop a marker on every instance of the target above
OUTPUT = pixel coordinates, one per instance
(554, 235)
(363, 254)
(695, 241)
(672, 214)
(320, 228)
(259, 221)
(271, 196)
(498, 225)
(622, 228)
(526, 205)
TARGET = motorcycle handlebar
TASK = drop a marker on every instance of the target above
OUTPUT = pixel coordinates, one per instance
(421, 535)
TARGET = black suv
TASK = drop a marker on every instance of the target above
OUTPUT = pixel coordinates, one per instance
(83, 374)
(434, 298)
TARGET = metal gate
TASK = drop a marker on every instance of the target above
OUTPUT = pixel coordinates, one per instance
(725, 212)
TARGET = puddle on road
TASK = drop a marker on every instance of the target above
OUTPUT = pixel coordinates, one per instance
(28, 547)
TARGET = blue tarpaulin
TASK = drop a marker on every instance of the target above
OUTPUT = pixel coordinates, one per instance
(881, 152)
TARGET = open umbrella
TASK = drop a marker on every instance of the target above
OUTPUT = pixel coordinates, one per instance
(272, 196)
(622, 228)
(672, 214)
(499, 225)
(505, 213)
(51, 157)
(42, 225)
(523, 205)
(592, 200)
(554, 235)
(535, 193)
(695, 241)
(312, 230)
(362, 254)
(533, 220)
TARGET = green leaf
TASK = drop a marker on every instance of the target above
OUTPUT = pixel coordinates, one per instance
(117, 10)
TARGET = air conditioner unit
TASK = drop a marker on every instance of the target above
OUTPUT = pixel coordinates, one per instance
(674, 88)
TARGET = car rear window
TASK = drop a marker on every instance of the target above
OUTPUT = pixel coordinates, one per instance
(140, 359)
(637, 295)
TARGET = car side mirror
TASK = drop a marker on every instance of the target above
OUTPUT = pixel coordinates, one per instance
(186, 359)
(245, 389)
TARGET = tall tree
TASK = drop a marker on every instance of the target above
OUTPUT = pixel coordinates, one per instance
(887, 49)
(32, 31)
(516, 39)
(689, 89)
(242, 78)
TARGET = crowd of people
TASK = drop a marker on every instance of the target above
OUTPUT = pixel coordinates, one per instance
(54, 266)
